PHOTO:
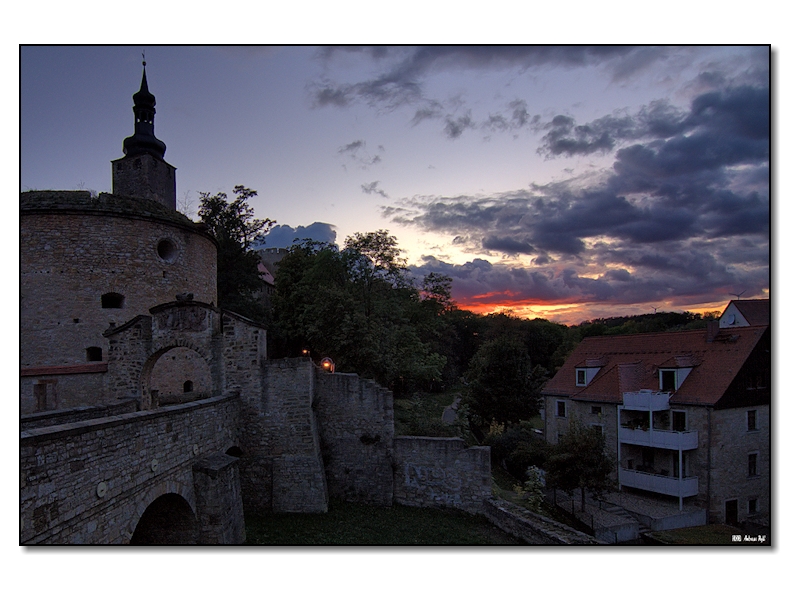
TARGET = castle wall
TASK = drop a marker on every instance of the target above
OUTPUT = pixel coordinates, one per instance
(69, 260)
(282, 468)
(435, 472)
(356, 425)
(89, 482)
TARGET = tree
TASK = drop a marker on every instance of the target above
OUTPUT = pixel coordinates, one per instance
(234, 227)
(357, 306)
(503, 385)
(580, 461)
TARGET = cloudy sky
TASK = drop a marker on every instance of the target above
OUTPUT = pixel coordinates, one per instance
(560, 182)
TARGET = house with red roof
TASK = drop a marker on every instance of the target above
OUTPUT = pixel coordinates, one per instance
(685, 414)
(746, 312)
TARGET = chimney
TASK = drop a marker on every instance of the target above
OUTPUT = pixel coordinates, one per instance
(713, 330)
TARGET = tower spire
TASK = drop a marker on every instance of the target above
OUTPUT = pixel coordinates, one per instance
(144, 141)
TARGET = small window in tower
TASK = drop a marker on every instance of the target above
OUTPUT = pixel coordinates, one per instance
(188, 386)
(93, 353)
(166, 250)
(112, 301)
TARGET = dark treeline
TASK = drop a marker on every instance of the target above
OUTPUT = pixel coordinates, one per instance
(360, 306)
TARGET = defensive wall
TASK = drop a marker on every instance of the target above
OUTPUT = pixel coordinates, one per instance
(92, 481)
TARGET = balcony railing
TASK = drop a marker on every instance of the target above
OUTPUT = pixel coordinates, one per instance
(646, 400)
(661, 439)
(660, 484)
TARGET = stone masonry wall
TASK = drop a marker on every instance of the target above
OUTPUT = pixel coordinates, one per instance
(89, 482)
(441, 472)
(281, 468)
(731, 446)
(218, 499)
(145, 176)
(356, 425)
(69, 261)
(62, 391)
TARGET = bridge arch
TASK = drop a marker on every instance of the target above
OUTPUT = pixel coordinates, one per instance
(150, 524)
(168, 520)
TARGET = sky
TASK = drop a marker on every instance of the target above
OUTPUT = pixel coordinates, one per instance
(562, 182)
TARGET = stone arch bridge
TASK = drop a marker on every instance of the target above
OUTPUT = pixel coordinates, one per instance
(278, 435)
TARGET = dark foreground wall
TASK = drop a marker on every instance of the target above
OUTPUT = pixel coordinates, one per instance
(90, 482)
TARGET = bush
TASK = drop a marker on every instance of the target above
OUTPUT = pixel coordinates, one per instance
(516, 449)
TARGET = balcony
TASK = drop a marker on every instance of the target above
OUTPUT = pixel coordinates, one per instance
(646, 400)
(660, 439)
(660, 484)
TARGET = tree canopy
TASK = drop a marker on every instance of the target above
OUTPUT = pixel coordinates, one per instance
(356, 305)
(234, 226)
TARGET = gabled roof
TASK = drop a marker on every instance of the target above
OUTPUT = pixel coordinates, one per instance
(633, 362)
(757, 312)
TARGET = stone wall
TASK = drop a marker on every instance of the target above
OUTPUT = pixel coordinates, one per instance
(70, 258)
(146, 177)
(218, 500)
(55, 417)
(90, 482)
(534, 529)
(436, 472)
(731, 446)
(282, 468)
(356, 426)
(59, 390)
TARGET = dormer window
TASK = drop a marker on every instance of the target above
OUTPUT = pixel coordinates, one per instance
(584, 376)
(668, 378)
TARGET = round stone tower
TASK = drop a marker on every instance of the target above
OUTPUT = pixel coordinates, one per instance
(92, 262)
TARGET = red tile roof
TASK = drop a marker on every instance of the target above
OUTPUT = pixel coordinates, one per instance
(633, 360)
(756, 311)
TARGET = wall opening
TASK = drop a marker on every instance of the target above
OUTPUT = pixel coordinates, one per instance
(93, 353)
(180, 375)
(234, 451)
(112, 301)
(166, 250)
(168, 520)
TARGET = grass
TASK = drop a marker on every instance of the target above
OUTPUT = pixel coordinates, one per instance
(357, 524)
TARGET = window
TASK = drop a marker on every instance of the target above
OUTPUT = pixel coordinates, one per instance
(46, 396)
(581, 377)
(187, 386)
(93, 353)
(751, 420)
(753, 506)
(595, 410)
(112, 301)
(752, 464)
(668, 382)
(678, 421)
(560, 409)
(166, 250)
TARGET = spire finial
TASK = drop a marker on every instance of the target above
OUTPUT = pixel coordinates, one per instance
(143, 58)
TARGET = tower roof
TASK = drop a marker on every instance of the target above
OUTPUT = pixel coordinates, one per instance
(144, 141)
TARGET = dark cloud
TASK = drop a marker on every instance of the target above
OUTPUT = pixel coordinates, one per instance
(371, 188)
(283, 236)
(403, 71)
(682, 215)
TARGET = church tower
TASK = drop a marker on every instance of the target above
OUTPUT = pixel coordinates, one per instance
(143, 172)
